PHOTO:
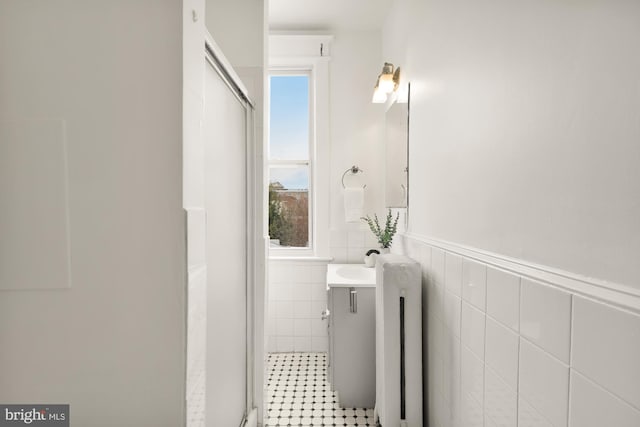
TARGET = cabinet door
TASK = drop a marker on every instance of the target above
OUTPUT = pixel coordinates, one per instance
(354, 347)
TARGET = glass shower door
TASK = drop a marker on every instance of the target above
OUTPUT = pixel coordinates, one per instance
(225, 157)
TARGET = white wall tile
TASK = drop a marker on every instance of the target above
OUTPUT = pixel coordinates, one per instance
(500, 400)
(276, 291)
(339, 254)
(302, 343)
(370, 240)
(271, 326)
(299, 273)
(593, 406)
(472, 329)
(503, 297)
(435, 339)
(319, 273)
(545, 318)
(438, 265)
(606, 347)
(411, 248)
(525, 339)
(424, 256)
(302, 328)
(196, 233)
(452, 310)
(474, 283)
(451, 371)
(272, 344)
(501, 351)
(301, 292)
(317, 307)
(488, 422)
(302, 310)
(277, 272)
(452, 413)
(318, 327)
(284, 343)
(544, 383)
(435, 377)
(355, 238)
(282, 309)
(453, 273)
(529, 417)
(319, 343)
(284, 327)
(472, 412)
(338, 238)
(435, 299)
(282, 292)
(300, 295)
(319, 292)
(355, 254)
(472, 375)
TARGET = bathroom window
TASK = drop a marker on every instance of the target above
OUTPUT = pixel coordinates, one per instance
(290, 159)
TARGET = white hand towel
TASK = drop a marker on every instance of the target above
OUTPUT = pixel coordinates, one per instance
(353, 204)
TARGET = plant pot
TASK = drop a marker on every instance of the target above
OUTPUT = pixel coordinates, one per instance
(384, 251)
(370, 260)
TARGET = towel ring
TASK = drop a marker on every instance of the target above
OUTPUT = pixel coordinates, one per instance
(354, 170)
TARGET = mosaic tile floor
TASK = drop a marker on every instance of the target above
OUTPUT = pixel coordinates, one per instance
(299, 394)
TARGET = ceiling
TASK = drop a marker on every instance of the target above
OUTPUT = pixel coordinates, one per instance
(321, 15)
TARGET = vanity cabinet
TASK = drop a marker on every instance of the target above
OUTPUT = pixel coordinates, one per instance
(352, 346)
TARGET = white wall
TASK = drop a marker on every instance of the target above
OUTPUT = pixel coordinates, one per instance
(239, 29)
(523, 207)
(357, 132)
(112, 345)
(524, 129)
(238, 26)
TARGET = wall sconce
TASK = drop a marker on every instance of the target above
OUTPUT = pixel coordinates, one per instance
(387, 82)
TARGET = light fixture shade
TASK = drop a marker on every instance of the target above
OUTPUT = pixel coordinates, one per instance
(379, 96)
(386, 83)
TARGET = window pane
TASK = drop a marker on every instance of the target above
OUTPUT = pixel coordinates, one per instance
(289, 118)
(289, 206)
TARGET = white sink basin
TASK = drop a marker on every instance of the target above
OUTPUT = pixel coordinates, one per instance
(350, 275)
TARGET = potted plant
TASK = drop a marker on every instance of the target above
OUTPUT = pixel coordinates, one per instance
(384, 235)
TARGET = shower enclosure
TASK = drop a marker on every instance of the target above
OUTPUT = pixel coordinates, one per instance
(219, 205)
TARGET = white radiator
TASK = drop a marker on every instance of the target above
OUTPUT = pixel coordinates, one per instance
(398, 342)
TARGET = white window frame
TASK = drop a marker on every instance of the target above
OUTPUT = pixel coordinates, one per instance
(298, 54)
(310, 163)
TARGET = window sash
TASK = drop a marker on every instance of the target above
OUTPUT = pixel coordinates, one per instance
(309, 162)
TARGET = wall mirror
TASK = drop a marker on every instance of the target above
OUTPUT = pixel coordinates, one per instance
(397, 153)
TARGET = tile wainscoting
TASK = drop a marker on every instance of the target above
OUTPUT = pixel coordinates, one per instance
(297, 295)
(350, 246)
(509, 343)
(196, 317)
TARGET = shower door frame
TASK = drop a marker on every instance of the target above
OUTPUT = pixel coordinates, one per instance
(215, 58)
